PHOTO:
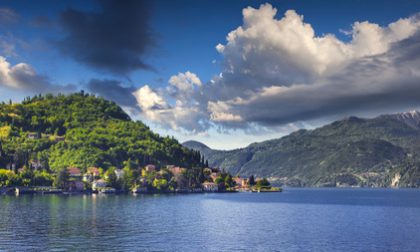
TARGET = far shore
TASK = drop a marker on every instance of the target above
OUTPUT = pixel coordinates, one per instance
(51, 190)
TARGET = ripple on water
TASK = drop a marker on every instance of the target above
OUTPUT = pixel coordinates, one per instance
(295, 220)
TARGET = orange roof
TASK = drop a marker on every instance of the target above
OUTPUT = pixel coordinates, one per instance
(73, 170)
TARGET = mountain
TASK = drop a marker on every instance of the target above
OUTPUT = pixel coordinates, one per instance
(379, 152)
(82, 130)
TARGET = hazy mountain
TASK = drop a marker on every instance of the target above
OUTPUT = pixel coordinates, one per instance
(383, 151)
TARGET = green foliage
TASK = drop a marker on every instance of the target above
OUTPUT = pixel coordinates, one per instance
(353, 151)
(7, 177)
(160, 184)
(61, 179)
(262, 183)
(82, 130)
(112, 179)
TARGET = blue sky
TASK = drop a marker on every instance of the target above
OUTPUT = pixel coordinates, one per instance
(180, 37)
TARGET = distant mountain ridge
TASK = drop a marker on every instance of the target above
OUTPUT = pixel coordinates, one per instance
(411, 118)
(378, 152)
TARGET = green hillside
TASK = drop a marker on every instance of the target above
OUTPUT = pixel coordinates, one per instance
(82, 130)
(350, 152)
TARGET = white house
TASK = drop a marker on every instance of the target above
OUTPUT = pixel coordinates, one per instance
(98, 184)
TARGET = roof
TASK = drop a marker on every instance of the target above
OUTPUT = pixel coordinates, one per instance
(73, 170)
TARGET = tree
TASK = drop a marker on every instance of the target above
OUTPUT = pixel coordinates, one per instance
(127, 180)
(229, 181)
(6, 177)
(263, 183)
(111, 178)
(160, 184)
(62, 179)
(251, 180)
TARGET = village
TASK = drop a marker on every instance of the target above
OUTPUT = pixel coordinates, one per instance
(146, 180)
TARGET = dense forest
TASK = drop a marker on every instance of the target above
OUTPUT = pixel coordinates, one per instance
(51, 133)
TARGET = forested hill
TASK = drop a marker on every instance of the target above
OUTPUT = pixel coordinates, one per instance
(383, 152)
(82, 130)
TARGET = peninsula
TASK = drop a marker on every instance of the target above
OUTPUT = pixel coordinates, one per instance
(83, 143)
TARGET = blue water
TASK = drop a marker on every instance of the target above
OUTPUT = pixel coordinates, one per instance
(294, 220)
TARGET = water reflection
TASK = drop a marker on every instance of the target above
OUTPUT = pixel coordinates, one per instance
(295, 220)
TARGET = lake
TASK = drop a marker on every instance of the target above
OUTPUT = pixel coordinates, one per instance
(294, 220)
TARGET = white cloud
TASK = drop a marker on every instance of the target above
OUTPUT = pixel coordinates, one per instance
(185, 81)
(148, 99)
(276, 72)
(184, 113)
(23, 76)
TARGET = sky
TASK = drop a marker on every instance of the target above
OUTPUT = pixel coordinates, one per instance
(226, 73)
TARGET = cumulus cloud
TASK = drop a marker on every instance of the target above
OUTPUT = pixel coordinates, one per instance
(115, 38)
(23, 76)
(278, 71)
(176, 106)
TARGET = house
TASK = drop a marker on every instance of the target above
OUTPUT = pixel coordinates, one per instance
(33, 136)
(210, 187)
(150, 168)
(119, 173)
(11, 166)
(91, 174)
(74, 172)
(75, 186)
(176, 171)
(36, 164)
(240, 182)
(98, 184)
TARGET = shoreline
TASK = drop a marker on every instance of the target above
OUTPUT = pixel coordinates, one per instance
(55, 191)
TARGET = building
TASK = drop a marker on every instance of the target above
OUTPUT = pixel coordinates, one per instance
(210, 187)
(91, 174)
(75, 186)
(33, 135)
(36, 164)
(240, 182)
(119, 173)
(176, 171)
(150, 168)
(74, 172)
(98, 184)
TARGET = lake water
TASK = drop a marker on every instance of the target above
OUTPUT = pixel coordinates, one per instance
(294, 220)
